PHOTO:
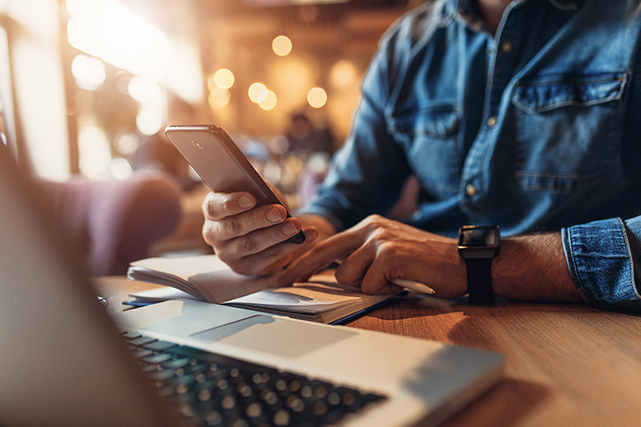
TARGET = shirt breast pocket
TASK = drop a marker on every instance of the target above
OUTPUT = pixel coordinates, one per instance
(429, 138)
(567, 130)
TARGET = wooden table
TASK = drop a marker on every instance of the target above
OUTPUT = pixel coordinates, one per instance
(566, 365)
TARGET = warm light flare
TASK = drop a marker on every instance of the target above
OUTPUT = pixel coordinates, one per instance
(145, 91)
(149, 120)
(317, 97)
(343, 74)
(95, 155)
(89, 72)
(219, 97)
(282, 45)
(224, 79)
(258, 92)
(120, 37)
(108, 30)
(270, 101)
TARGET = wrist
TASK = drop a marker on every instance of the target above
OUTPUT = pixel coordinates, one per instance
(533, 268)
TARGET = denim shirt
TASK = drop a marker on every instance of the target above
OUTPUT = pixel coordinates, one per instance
(535, 128)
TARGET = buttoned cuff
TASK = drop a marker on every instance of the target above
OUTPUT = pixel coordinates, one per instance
(601, 263)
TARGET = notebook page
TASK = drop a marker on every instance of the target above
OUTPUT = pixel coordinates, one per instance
(183, 267)
(221, 286)
(204, 276)
(309, 297)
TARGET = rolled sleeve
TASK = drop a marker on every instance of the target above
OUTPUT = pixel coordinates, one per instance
(602, 262)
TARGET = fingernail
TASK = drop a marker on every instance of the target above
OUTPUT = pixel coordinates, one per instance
(289, 229)
(274, 215)
(246, 201)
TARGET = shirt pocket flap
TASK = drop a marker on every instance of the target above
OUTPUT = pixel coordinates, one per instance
(436, 122)
(545, 94)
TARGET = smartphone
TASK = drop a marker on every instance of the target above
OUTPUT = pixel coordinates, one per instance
(221, 164)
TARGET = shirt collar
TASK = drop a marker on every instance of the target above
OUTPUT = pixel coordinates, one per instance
(467, 8)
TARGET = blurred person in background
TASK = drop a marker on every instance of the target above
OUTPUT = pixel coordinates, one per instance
(157, 153)
(304, 137)
(521, 114)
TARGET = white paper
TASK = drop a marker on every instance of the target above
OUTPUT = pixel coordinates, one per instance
(208, 279)
(309, 297)
(205, 276)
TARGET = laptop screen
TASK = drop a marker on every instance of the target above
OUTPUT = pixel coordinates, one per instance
(62, 361)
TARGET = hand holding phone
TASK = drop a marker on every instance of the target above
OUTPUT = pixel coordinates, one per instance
(221, 164)
(238, 225)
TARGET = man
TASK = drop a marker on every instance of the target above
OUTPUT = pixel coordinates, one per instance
(520, 114)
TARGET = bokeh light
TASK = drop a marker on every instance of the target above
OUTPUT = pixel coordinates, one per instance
(270, 101)
(343, 74)
(272, 172)
(145, 90)
(120, 36)
(293, 165)
(89, 72)
(224, 79)
(149, 121)
(290, 78)
(282, 45)
(219, 97)
(278, 145)
(120, 168)
(258, 92)
(95, 155)
(317, 97)
(127, 143)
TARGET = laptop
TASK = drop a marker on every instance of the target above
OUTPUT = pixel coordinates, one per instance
(66, 362)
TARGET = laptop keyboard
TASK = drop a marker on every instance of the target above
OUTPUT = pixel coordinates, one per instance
(215, 390)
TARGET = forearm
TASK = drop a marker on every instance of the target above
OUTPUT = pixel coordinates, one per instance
(529, 268)
(533, 268)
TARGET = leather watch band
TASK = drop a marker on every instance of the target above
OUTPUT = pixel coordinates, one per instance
(479, 280)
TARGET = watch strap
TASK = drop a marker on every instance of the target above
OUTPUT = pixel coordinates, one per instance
(479, 280)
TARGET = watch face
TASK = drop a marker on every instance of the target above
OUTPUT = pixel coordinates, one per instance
(479, 236)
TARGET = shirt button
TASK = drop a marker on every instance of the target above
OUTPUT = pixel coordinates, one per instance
(492, 121)
(506, 47)
(470, 190)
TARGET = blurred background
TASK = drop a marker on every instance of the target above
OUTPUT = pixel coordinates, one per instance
(87, 86)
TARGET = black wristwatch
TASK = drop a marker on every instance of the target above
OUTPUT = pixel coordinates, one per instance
(478, 245)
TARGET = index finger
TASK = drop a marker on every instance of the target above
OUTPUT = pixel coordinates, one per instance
(217, 206)
(336, 247)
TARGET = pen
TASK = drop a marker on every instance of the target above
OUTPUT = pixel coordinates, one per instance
(412, 285)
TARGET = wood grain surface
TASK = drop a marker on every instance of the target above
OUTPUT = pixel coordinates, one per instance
(566, 365)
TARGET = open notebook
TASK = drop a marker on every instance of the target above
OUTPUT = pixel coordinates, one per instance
(206, 278)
